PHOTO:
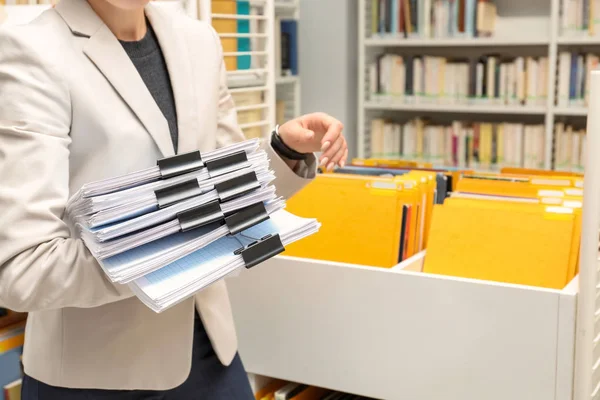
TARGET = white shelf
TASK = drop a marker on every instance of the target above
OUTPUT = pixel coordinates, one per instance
(244, 35)
(282, 80)
(253, 107)
(462, 109)
(260, 88)
(579, 40)
(571, 111)
(239, 17)
(477, 42)
(286, 5)
(255, 124)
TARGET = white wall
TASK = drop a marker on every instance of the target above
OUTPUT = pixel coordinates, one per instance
(328, 52)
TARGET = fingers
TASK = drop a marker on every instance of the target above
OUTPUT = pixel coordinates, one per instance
(334, 131)
(336, 155)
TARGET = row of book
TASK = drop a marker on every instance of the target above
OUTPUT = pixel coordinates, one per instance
(580, 17)
(236, 26)
(251, 110)
(432, 18)
(574, 70)
(12, 338)
(488, 146)
(487, 80)
(569, 149)
(282, 390)
(518, 226)
(286, 37)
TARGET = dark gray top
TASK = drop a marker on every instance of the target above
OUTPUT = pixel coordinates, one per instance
(148, 59)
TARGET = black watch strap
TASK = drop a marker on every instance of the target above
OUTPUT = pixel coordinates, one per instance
(283, 149)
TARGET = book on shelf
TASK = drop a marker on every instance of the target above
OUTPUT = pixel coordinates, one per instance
(280, 111)
(226, 25)
(425, 19)
(490, 80)
(574, 71)
(12, 391)
(250, 99)
(489, 146)
(244, 44)
(579, 17)
(287, 47)
(569, 151)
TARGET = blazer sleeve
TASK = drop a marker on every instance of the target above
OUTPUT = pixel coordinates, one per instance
(287, 181)
(41, 265)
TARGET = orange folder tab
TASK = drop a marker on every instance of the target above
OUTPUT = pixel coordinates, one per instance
(525, 244)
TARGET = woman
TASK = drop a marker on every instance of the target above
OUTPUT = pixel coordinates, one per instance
(92, 90)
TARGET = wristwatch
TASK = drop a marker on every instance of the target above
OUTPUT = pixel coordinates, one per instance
(283, 149)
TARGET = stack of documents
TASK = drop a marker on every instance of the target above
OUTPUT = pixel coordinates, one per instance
(169, 285)
(171, 230)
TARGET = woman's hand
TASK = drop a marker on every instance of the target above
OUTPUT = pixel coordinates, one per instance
(317, 132)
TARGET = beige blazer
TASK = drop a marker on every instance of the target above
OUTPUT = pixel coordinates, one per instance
(73, 109)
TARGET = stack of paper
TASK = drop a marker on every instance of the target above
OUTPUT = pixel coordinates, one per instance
(171, 230)
(169, 285)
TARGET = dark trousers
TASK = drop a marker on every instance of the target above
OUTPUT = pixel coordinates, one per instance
(208, 380)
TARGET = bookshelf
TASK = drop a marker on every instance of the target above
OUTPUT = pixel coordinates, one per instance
(255, 76)
(522, 29)
(287, 87)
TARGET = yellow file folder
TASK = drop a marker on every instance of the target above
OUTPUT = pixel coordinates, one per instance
(516, 243)
(361, 219)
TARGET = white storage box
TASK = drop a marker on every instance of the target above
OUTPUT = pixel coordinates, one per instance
(402, 334)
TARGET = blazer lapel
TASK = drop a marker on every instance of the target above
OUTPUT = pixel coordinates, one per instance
(105, 51)
(177, 57)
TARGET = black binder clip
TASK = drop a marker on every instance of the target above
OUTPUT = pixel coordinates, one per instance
(200, 216)
(176, 193)
(180, 164)
(261, 250)
(246, 218)
(212, 212)
(226, 164)
(237, 187)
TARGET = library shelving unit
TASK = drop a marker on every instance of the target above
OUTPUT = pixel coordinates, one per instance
(288, 87)
(260, 77)
(399, 333)
(523, 28)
